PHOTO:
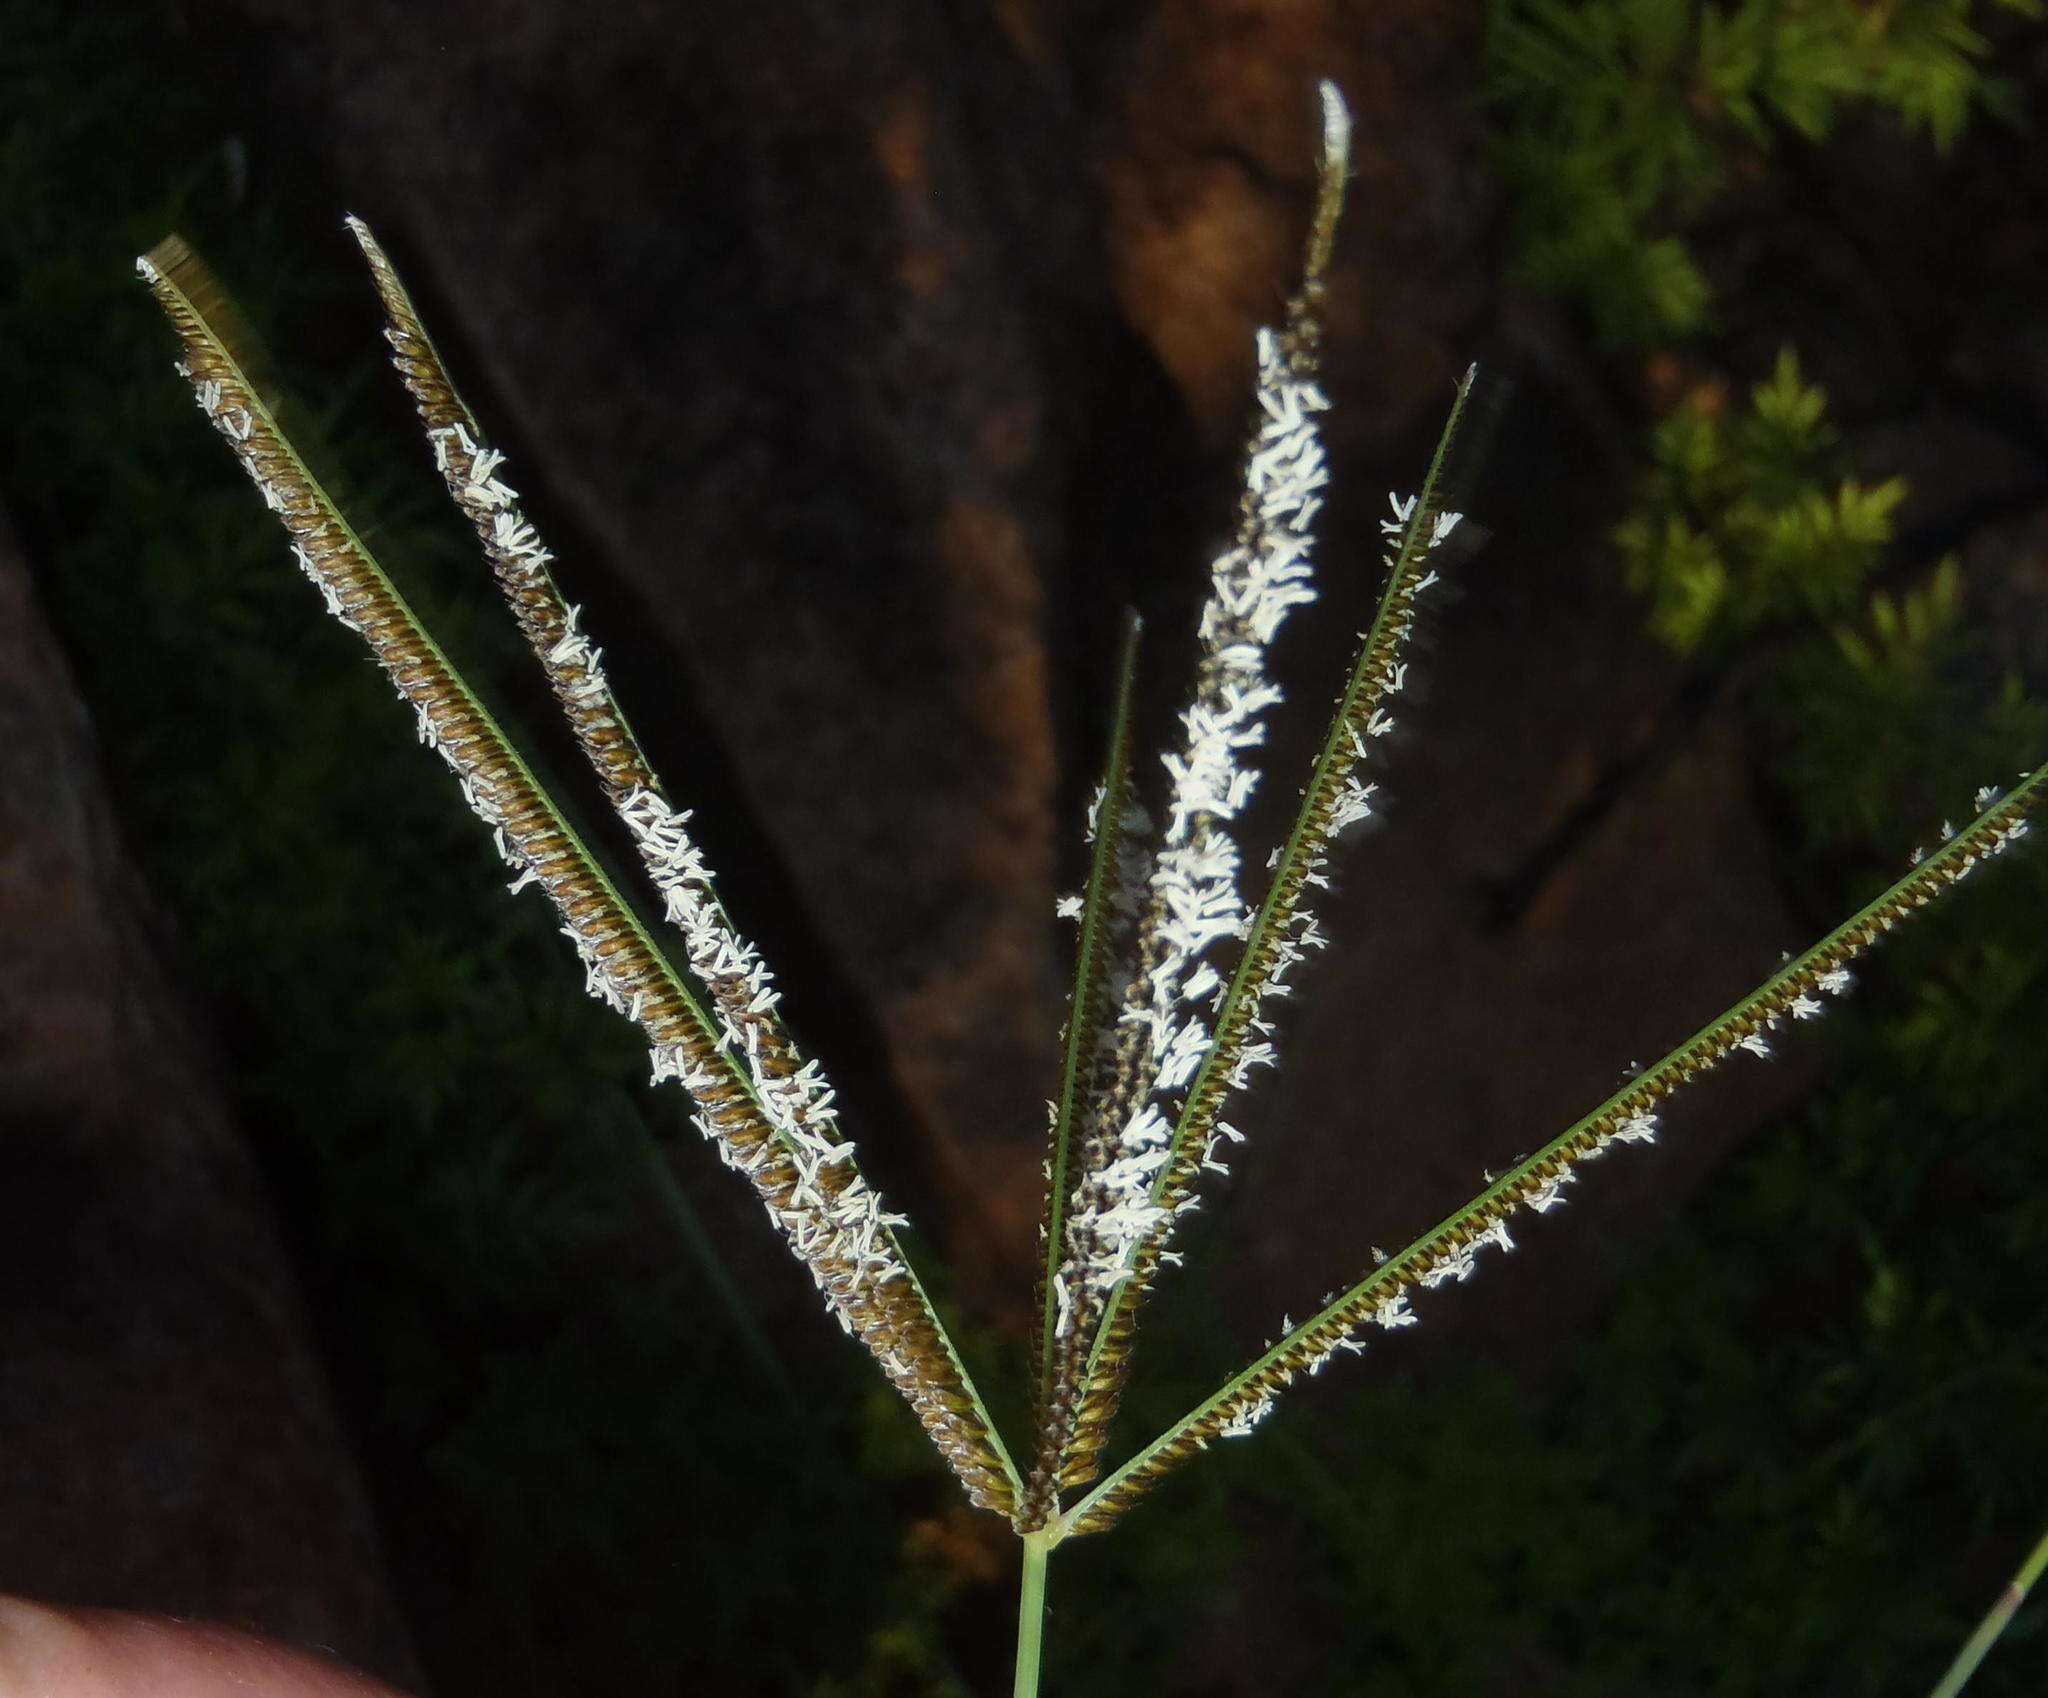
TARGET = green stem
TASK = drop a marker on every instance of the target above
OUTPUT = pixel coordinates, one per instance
(1031, 1613)
(1988, 1630)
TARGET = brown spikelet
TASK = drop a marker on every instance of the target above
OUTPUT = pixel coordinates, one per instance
(863, 1276)
(1074, 1413)
(729, 967)
(1088, 1038)
(1280, 932)
(1092, 1355)
(517, 559)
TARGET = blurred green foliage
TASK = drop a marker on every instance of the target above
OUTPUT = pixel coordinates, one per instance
(1618, 122)
(1879, 717)
(1748, 522)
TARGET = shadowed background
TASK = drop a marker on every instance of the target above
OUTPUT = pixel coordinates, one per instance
(862, 366)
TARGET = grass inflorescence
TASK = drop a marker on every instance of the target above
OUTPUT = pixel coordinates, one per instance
(1177, 966)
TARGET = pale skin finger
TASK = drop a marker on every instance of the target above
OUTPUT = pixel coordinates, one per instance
(47, 1652)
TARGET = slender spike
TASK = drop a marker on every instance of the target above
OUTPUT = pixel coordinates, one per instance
(518, 559)
(1448, 1252)
(1089, 1038)
(1996, 1620)
(832, 1219)
(1192, 904)
(796, 1094)
(727, 963)
(1330, 177)
(1333, 799)
(1283, 928)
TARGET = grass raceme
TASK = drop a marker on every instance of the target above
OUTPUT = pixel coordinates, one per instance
(1183, 941)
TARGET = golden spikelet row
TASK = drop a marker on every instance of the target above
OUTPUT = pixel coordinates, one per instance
(795, 1096)
(825, 1209)
(511, 546)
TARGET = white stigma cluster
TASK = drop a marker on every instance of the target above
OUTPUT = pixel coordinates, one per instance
(834, 1220)
(1455, 1261)
(769, 1114)
(1297, 931)
(1191, 900)
(574, 665)
(839, 1229)
(841, 1226)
